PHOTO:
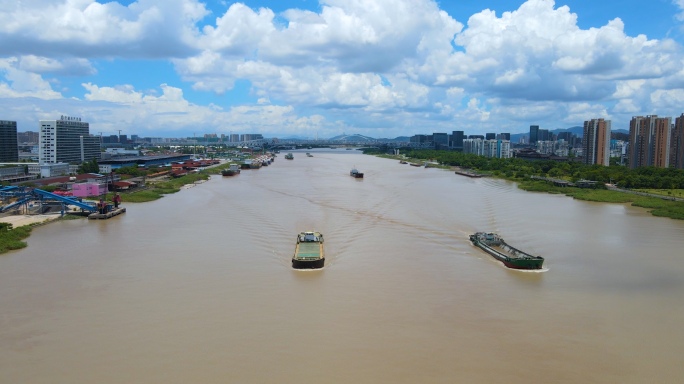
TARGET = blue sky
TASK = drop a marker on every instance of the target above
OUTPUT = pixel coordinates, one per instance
(381, 68)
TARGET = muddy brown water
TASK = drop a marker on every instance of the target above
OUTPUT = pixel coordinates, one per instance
(198, 287)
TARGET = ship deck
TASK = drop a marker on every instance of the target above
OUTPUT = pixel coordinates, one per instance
(309, 251)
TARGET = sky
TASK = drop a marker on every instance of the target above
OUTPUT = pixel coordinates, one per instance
(317, 69)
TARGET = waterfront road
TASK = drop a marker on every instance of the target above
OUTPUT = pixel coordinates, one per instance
(614, 188)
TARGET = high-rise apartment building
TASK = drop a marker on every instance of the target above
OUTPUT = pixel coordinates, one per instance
(9, 149)
(661, 142)
(649, 141)
(496, 148)
(28, 137)
(440, 140)
(677, 143)
(457, 139)
(596, 142)
(534, 134)
(419, 139)
(545, 135)
(474, 146)
(67, 140)
(640, 131)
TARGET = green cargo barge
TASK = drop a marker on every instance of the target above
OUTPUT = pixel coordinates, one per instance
(309, 251)
(511, 257)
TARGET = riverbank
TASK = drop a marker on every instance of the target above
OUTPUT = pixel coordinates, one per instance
(22, 224)
(657, 205)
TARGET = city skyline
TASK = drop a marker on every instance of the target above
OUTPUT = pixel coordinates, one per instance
(382, 68)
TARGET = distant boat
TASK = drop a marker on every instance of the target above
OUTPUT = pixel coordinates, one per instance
(402, 162)
(355, 173)
(309, 251)
(468, 174)
(309, 155)
(232, 170)
(500, 250)
(256, 164)
(289, 156)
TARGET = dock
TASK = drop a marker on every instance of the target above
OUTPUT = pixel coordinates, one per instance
(108, 215)
(467, 173)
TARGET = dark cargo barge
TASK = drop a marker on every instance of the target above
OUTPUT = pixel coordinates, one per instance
(309, 251)
(500, 250)
(468, 174)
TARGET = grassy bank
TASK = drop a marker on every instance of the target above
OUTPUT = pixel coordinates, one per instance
(156, 190)
(656, 206)
(664, 192)
(11, 238)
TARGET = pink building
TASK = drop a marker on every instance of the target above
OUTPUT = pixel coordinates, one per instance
(88, 189)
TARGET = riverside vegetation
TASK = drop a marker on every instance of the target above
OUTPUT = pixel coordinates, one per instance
(11, 238)
(668, 182)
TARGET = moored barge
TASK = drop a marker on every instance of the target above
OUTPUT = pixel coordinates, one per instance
(309, 251)
(511, 257)
(233, 169)
(468, 174)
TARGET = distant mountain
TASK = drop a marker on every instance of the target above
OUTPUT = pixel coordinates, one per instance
(515, 137)
(577, 130)
(400, 139)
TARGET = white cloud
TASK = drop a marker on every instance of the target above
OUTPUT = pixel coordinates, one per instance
(171, 112)
(86, 28)
(680, 5)
(585, 111)
(538, 52)
(331, 58)
(239, 31)
(23, 84)
(46, 65)
(366, 64)
(122, 94)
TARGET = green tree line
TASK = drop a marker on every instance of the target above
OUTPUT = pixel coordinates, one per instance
(515, 168)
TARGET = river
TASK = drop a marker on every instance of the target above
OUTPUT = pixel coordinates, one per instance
(198, 286)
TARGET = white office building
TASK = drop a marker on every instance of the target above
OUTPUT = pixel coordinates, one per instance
(67, 140)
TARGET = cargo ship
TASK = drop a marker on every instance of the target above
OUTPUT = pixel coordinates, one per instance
(309, 251)
(289, 156)
(232, 170)
(355, 173)
(500, 250)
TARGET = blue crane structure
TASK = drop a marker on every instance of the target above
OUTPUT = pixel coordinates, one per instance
(23, 195)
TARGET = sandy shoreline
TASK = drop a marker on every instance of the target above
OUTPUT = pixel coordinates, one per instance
(21, 220)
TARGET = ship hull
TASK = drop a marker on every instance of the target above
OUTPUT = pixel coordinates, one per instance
(309, 251)
(526, 262)
(308, 264)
